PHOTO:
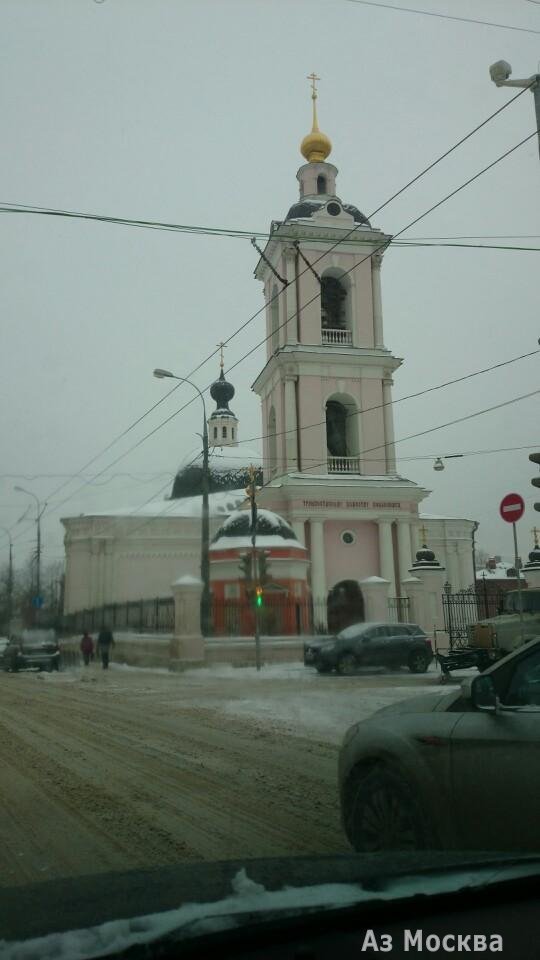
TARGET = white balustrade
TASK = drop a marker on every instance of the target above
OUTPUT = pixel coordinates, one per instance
(336, 337)
(343, 464)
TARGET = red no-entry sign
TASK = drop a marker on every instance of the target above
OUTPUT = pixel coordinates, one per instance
(512, 507)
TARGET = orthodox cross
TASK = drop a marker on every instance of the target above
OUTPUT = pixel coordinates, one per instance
(313, 77)
(221, 346)
(535, 533)
(423, 534)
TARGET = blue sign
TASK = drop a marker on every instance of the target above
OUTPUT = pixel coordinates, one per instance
(37, 602)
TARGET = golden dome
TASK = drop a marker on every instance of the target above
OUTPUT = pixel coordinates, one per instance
(315, 146)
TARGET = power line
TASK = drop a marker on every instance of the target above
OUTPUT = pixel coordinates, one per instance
(410, 396)
(229, 232)
(415, 457)
(444, 16)
(400, 232)
(441, 426)
(317, 296)
(263, 308)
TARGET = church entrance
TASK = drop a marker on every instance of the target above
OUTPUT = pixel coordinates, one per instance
(345, 605)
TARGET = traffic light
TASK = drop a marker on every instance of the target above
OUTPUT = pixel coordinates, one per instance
(258, 596)
(535, 458)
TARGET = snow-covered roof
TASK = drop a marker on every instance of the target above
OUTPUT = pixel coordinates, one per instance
(499, 572)
(272, 531)
(219, 504)
(262, 542)
(435, 516)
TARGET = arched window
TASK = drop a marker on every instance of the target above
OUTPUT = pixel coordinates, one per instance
(233, 433)
(321, 184)
(224, 432)
(336, 429)
(333, 304)
(215, 433)
(345, 605)
(274, 319)
(342, 434)
(272, 442)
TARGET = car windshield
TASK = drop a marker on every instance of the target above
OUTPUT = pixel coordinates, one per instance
(268, 367)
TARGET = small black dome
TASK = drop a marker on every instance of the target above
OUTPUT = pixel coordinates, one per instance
(222, 391)
(534, 556)
(269, 524)
(426, 558)
(306, 208)
(425, 555)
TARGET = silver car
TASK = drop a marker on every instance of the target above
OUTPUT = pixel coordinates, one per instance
(460, 770)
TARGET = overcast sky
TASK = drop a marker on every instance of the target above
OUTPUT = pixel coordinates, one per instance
(192, 111)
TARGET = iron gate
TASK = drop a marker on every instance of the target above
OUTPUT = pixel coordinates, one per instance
(462, 610)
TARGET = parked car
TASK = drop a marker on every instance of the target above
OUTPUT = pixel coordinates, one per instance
(312, 645)
(4, 641)
(456, 771)
(33, 649)
(373, 645)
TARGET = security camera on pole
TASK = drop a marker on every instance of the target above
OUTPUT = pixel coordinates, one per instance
(500, 73)
(512, 508)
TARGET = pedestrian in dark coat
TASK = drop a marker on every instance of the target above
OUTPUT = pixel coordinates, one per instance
(87, 648)
(104, 644)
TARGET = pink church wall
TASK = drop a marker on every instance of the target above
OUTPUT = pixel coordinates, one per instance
(361, 277)
(373, 427)
(311, 410)
(351, 561)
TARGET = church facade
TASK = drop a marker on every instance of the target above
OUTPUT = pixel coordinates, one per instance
(328, 463)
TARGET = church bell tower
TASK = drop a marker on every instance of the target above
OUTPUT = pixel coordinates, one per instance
(325, 388)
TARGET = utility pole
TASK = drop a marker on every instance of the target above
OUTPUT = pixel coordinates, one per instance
(205, 520)
(251, 491)
(9, 580)
(500, 73)
(40, 510)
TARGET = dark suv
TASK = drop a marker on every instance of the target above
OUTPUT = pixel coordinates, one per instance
(33, 649)
(374, 645)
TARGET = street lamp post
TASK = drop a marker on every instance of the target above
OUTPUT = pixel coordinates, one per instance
(500, 73)
(39, 513)
(10, 580)
(205, 523)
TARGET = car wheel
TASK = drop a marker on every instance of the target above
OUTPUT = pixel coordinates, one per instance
(346, 665)
(384, 814)
(323, 668)
(418, 662)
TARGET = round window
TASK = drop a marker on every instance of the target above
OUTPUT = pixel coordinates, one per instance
(333, 209)
(348, 537)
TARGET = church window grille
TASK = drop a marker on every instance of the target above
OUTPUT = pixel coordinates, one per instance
(333, 297)
(336, 429)
(224, 432)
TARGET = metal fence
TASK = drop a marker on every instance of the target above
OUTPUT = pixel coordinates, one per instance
(462, 610)
(278, 615)
(140, 616)
(398, 609)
